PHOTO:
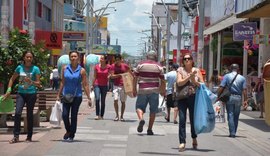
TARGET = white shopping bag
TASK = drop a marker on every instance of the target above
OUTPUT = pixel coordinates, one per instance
(161, 106)
(219, 109)
(56, 115)
(93, 99)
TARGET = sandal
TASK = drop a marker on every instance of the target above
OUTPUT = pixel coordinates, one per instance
(167, 119)
(116, 119)
(122, 119)
(194, 144)
(14, 140)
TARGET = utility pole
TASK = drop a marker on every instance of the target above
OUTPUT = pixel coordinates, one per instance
(91, 26)
(31, 26)
(158, 40)
(179, 31)
(200, 34)
(87, 28)
(168, 38)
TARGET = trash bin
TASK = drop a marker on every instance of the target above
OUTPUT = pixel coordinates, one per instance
(267, 101)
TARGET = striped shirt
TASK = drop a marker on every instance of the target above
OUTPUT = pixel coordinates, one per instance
(149, 74)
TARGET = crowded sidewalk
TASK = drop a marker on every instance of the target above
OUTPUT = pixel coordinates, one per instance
(108, 137)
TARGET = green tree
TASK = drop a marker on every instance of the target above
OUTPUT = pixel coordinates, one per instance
(11, 56)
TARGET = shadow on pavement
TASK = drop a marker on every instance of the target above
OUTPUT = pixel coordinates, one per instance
(74, 141)
(157, 153)
(257, 123)
(227, 136)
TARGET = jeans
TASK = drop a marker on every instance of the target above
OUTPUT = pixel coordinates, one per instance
(233, 107)
(71, 127)
(30, 100)
(100, 95)
(55, 83)
(183, 105)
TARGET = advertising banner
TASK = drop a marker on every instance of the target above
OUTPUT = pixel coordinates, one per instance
(244, 31)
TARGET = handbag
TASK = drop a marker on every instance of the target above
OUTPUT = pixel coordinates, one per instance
(68, 98)
(183, 92)
(225, 93)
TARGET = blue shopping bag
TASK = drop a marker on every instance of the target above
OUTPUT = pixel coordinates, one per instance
(204, 114)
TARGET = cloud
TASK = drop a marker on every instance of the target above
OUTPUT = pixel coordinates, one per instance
(145, 3)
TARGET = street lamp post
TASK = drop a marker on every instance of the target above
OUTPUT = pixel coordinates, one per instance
(90, 25)
(158, 32)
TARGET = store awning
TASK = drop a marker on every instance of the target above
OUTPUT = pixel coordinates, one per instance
(260, 10)
(222, 24)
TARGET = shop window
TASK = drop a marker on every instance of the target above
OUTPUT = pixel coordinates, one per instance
(39, 11)
(48, 14)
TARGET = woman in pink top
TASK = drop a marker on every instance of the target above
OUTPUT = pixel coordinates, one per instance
(100, 85)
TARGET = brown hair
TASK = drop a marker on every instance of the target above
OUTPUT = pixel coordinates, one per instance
(187, 54)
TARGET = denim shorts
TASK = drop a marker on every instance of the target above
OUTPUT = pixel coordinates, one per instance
(144, 99)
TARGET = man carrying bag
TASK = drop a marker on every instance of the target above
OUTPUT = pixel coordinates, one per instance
(237, 88)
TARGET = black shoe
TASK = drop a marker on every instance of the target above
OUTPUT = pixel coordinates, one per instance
(28, 139)
(66, 136)
(14, 140)
(167, 119)
(140, 126)
(175, 122)
(150, 132)
(232, 136)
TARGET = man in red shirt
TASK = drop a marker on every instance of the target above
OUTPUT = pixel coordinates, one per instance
(118, 90)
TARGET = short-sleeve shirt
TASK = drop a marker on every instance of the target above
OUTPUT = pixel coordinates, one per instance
(73, 81)
(171, 79)
(238, 85)
(122, 68)
(102, 75)
(24, 87)
(149, 74)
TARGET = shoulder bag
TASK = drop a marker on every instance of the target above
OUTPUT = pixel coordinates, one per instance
(225, 93)
(68, 98)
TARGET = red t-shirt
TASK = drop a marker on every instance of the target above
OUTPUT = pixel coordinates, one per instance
(122, 68)
(102, 75)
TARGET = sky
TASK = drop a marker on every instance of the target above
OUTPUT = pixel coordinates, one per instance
(126, 23)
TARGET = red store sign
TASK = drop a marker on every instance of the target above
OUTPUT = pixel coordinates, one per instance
(53, 40)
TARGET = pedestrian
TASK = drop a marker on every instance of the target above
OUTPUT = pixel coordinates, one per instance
(117, 69)
(188, 76)
(149, 75)
(73, 77)
(55, 78)
(260, 94)
(29, 80)
(100, 85)
(237, 89)
(214, 81)
(170, 77)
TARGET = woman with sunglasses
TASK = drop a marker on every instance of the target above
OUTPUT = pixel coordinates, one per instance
(190, 76)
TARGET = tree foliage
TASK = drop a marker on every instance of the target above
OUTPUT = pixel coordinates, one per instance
(11, 55)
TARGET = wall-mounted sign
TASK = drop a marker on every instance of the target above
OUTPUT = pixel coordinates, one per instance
(53, 40)
(74, 36)
(261, 39)
(106, 49)
(244, 31)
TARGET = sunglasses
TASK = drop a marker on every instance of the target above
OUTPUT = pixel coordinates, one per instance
(187, 58)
